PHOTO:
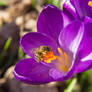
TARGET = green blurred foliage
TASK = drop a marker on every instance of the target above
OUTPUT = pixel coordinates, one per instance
(54, 2)
(49, 1)
(33, 3)
(3, 2)
(84, 81)
(57, 3)
(71, 85)
(20, 53)
(6, 46)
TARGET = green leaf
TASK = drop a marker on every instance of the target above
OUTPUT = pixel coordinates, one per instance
(20, 53)
(56, 3)
(6, 46)
(49, 1)
(71, 85)
(33, 3)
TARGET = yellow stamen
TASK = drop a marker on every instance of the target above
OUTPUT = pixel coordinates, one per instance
(66, 58)
(60, 52)
(69, 64)
(59, 59)
(90, 3)
(64, 69)
(63, 59)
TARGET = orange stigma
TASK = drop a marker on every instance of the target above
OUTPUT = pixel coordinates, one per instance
(90, 3)
(48, 57)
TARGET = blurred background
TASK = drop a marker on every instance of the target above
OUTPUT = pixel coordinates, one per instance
(18, 17)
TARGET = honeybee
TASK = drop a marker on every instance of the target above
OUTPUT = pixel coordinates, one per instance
(41, 52)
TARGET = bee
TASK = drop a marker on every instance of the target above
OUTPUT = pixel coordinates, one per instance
(41, 52)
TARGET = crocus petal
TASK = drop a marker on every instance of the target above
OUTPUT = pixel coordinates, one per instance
(82, 8)
(88, 26)
(61, 76)
(84, 61)
(85, 54)
(31, 72)
(33, 40)
(71, 36)
(74, 39)
(69, 13)
(50, 21)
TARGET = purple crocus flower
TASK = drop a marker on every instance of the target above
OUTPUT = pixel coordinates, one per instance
(81, 7)
(83, 11)
(58, 50)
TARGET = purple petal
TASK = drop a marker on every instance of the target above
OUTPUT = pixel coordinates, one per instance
(71, 36)
(50, 21)
(31, 72)
(88, 26)
(33, 40)
(84, 60)
(82, 8)
(61, 76)
(69, 12)
(74, 39)
(85, 53)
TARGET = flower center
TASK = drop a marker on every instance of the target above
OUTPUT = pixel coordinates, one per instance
(64, 62)
(46, 54)
(90, 3)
